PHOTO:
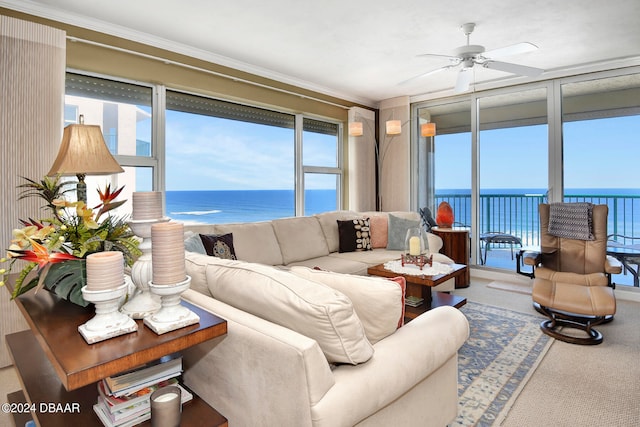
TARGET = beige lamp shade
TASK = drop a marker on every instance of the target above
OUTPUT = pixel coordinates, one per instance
(355, 129)
(428, 129)
(394, 127)
(83, 151)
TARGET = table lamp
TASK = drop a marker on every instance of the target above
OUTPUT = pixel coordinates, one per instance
(83, 151)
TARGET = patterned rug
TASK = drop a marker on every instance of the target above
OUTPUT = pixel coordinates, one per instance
(502, 352)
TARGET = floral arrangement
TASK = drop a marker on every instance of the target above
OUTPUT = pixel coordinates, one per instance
(58, 244)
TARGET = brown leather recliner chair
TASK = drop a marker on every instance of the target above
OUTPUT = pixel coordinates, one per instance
(572, 279)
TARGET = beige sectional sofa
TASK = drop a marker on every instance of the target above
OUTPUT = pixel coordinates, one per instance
(313, 241)
(308, 347)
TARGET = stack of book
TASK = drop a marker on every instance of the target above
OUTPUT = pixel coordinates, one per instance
(124, 400)
(412, 301)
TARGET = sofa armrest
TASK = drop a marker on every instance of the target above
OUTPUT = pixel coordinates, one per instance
(435, 242)
(400, 362)
(259, 373)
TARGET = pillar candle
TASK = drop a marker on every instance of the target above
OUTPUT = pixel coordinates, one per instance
(105, 270)
(147, 205)
(167, 253)
(414, 246)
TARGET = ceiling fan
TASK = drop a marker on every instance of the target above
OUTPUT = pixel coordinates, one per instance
(472, 54)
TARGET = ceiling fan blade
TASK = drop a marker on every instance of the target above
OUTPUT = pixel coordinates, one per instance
(428, 73)
(513, 68)
(436, 55)
(464, 79)
(514, 49)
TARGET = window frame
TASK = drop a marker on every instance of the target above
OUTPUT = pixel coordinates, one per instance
(157, 159)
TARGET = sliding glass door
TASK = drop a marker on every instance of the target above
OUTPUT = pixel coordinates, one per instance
(513, 158)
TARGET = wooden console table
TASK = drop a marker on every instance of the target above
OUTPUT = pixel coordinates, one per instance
(455, 245)
(56, 366)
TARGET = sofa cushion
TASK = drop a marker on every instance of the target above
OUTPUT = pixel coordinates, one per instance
(254, 242)
(378, 302)
(219, 245)
(398, 231)
(370, 258)
(300, 238)
(196, 266)
(310, 308)
(193, 243)
(355, 235)
(337, 263)
(328, 222)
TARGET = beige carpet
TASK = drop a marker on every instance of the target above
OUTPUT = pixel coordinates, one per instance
(577, 385)
(520, 288)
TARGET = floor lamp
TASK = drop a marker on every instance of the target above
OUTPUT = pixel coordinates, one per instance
(83, 151)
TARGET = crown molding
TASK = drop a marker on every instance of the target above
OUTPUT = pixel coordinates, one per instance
(70, 18)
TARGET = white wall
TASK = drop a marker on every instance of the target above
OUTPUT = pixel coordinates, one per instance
(395, 191)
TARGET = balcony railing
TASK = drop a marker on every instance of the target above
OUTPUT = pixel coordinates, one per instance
(517, 214)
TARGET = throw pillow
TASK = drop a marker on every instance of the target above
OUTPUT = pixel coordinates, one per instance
(193, 243)
(379, 231)
(307, 307)
(402, 283)
(398, 231)
(378, 302)
(354, 235)
(219, 245)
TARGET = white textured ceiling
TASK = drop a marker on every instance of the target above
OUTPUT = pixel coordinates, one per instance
(361, 49)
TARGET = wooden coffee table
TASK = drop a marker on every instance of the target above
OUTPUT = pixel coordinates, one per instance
(420, 286)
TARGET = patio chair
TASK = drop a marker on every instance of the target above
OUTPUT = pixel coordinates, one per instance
(571, 283)
(427, 218)
(626, 249)
(495, 238)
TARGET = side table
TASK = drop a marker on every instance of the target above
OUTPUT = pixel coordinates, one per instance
(455, 245)
(56, 366)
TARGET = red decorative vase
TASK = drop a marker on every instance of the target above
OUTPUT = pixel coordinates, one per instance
(444, 215)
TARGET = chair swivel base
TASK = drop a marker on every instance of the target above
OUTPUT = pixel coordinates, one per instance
(558, 320)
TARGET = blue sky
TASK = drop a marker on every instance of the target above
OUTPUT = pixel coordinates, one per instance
(205, 153)
(600, 153)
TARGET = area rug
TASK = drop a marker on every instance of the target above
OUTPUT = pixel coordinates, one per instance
(502, 352)
(520, 288)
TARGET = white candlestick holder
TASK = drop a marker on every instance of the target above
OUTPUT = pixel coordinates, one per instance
(108, 321)
(172, 315)
(143, 303)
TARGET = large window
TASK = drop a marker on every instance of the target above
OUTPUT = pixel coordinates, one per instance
(513, 151)
(320, 163)
(124, 113)
(216, 161)
(601, 124)
(227, 162)
(571, 139)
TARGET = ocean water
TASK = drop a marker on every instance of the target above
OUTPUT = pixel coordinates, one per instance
(512, 211)
(224, 207)
(515, 211)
